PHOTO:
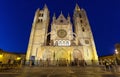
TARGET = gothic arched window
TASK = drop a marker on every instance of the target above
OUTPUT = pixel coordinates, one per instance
(41, 15)
(56, 43)
(80, 16)
(67, 43)
(83, 29)
(61, 21)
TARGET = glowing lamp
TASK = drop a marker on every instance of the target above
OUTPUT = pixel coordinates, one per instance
(116, 52)
(18, 58)
(1, 55)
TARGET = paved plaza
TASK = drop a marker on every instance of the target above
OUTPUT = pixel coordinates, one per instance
(88, 71)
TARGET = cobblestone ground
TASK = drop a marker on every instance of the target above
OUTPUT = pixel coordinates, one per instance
(61, 72)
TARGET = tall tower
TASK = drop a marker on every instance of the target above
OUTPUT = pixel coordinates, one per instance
(84, 35)
(38, 36)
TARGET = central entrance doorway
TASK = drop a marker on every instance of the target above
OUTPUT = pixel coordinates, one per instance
(78, 58)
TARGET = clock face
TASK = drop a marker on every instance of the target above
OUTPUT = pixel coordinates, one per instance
(61, 33)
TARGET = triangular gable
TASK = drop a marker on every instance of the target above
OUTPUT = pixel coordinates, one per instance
(61, 20)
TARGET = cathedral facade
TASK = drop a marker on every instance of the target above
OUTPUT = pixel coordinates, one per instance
(65, 40)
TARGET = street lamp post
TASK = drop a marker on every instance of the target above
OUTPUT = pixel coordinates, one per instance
(1, 57)
(116, 52)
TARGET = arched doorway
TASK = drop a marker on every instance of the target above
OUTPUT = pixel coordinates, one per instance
(77, 57)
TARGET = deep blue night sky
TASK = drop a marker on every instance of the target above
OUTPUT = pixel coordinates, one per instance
(16, 17)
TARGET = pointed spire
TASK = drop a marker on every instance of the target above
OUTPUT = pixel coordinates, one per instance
(77, 8)
(68, 15)
(61, 13)
(38, 10)
(45, 6)
(54, 15)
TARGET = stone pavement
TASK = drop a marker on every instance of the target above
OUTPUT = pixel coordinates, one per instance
(61, 72)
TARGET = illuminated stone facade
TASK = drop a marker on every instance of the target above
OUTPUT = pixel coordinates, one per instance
(6, 56)
(66, 40)
(117, 52)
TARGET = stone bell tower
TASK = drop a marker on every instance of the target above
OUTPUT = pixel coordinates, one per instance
(38, 36)
(84, 34)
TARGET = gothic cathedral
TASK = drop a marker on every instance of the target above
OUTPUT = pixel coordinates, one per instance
(65, 40)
